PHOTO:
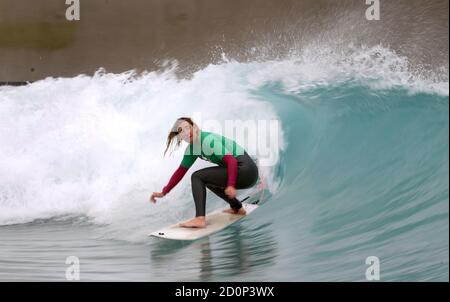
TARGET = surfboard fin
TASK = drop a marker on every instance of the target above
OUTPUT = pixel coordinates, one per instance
(245, 198)
(254, 202)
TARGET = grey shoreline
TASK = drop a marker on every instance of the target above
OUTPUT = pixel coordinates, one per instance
(36, 41)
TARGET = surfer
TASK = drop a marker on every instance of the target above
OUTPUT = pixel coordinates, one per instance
(235, 170)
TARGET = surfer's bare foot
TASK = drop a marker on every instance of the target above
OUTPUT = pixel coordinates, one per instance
(197, 222)
(241, 211)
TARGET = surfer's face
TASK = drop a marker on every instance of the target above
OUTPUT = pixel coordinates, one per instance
(186, 132)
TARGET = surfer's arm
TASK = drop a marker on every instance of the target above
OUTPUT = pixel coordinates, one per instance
(231, 163)
(175, 179)
(186, 163)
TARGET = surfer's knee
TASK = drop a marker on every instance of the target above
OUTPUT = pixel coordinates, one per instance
(196, 176)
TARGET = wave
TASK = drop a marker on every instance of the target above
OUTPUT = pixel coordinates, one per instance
(361, 154)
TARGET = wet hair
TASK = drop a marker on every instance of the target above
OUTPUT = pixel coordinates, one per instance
(175, 131)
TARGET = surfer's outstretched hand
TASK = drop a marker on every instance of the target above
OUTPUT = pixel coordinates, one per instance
(156, 195)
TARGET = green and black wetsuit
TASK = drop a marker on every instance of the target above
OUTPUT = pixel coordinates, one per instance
(235, 168)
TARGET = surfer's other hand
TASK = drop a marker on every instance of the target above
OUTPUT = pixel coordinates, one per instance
(231, 192)
(156, 195)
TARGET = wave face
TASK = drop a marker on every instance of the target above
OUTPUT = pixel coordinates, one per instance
(361, 167)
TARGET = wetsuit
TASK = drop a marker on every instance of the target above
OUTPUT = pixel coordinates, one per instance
(235, 168)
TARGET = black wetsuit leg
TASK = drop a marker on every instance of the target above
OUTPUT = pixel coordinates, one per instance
(215, 179)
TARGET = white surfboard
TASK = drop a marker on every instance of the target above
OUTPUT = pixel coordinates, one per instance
(215, 221)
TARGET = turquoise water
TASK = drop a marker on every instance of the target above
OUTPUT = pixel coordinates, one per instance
(365, 173)
(361, 170)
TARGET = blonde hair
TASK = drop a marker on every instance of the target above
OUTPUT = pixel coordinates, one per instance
(174, 132)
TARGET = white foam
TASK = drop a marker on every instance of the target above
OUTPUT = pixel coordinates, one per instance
(93, 146)
(377, 67)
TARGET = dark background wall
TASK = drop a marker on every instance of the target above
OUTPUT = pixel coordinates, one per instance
(37, 41)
